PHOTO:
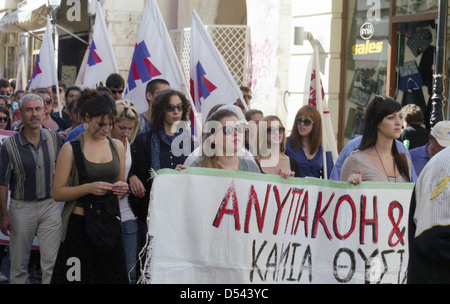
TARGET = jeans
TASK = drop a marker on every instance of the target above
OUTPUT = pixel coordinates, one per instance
(129, 236)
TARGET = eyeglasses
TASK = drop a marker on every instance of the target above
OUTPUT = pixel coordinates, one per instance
(117, 91)
(171, 107)
(228, 130)
(306, 122)
(248, 96)
(4, 119)
(48, 101)
(280, 130)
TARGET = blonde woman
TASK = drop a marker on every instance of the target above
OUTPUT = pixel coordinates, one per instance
(125, 129)
(223, 142)
(272, 147)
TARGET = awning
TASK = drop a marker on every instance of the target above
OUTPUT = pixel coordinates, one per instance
(29, 17)
(26, 18)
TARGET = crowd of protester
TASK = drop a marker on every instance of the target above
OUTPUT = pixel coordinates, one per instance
(91, 149)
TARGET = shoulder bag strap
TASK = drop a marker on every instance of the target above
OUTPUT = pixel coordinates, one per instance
(78, 156)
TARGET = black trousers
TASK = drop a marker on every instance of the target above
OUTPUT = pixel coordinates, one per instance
(81, 262)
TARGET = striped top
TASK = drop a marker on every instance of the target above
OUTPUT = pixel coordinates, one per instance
(29, 170)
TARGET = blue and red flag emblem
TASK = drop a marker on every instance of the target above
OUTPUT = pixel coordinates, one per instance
(37, 69)
(93, 56)
(141, 67)
(205, 86)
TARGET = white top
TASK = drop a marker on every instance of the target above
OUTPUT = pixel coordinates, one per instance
(125, 211)
(433, 193)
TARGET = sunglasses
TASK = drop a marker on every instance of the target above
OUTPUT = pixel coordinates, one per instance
(4, 119)
(54, 89)
(275, 129)
(171, 107)
(248, 96)
(117, 91)
(4, 93)
(228, 130)
(306, 122)
(9, 106)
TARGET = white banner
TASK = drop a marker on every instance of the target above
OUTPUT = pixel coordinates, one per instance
(216, 227)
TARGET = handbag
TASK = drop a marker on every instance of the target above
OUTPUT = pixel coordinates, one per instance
(102, 213)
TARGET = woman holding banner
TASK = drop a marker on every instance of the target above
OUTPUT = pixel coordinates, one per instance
(271, 149)
(377, 158)
(305, 143)
(152, 149)
(166, 144)
(222, 142)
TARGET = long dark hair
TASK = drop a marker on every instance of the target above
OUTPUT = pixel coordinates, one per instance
(376, 111)
(159, 107)
(96, 104)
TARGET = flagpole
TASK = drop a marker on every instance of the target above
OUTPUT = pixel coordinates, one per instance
(55, 70)
(319, 105)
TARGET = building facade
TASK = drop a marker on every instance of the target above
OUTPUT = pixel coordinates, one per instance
(365, 47)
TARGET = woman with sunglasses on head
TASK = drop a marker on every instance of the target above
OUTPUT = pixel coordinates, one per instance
(125, 129)
(272, 147)
(47, 121)
(305, 143)
(222, 142)
(101, 183)
(377, 158)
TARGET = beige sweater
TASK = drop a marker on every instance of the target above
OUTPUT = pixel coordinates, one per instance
(358, 161)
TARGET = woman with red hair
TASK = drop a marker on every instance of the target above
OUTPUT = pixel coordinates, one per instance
(305, 143)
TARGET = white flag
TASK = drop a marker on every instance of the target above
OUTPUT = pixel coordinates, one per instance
(317, 100)
(101, 61)
(154, 57)
(211, 80)
(44, 73)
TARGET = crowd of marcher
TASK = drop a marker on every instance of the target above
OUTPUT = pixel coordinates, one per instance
(97, 153)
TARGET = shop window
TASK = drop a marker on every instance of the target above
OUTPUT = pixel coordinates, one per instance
(403, 71)
(408, 7)
(366, 61)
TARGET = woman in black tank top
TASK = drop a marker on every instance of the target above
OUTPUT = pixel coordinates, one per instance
(103, 159)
